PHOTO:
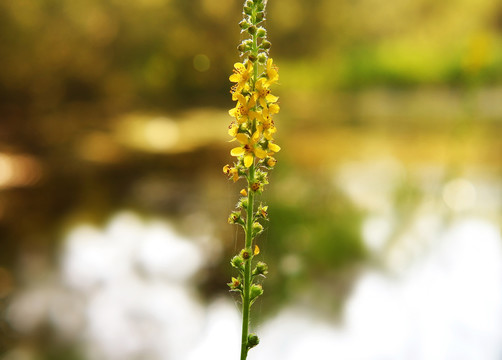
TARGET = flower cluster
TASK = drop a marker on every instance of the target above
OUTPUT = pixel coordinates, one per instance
(253, 129)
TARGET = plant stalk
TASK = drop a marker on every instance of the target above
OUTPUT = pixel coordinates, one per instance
(246, 304)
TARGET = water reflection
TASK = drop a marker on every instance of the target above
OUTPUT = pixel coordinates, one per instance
(127, 291)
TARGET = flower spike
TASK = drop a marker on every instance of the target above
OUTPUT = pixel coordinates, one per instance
(253, 129)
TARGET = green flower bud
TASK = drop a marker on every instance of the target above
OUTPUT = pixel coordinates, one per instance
(242, 47)
(260, 269)
(259, 17)
(260, 7)
(238, 262)
(255, 291)
(262, 58)
(257, 228)
(265, 44)
(261, 32)
(243, 203)
(252, 30)
(244, 24)
(246, 45)
(248, 10)
(253, 340)
(252, 58)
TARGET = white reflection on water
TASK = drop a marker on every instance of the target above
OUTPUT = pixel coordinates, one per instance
(129, 295)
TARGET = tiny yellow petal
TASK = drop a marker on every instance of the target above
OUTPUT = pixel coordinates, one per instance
(260, 153)
(238, 151)
(242, 138)
(273, 108)
(248, 160)
(271, 98)
(256, 136)
(274, 147)
(243, 192)
(256, 250)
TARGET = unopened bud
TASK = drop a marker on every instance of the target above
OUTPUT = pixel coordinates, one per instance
(262, 58)
(260, 269)
(257, 228)
(244, 24)
(261, 32)
(255, 291)
(238, 262)
(253, 340)
(252, 29)
(265, 44)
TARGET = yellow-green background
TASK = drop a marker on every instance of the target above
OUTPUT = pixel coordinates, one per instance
(122, 105)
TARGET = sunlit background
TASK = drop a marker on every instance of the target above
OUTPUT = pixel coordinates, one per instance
(385, 205)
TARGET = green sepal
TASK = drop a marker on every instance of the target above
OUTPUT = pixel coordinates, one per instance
(255, 291)
(238, 263)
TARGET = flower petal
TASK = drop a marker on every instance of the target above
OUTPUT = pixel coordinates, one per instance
(242, 138)
(248, 160)
(274, 147)
(256, 136)
(260, 153)
(238, 151)
(271, 98)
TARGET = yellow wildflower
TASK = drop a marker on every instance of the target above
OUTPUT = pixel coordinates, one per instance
(262, 93)
(243, 110)
(271, 162)
(267, 125)
(241, 76)
(272, 72)
(231, 172)
(250, 148)
(233, 129)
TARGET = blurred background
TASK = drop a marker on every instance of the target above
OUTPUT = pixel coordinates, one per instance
(385, 206)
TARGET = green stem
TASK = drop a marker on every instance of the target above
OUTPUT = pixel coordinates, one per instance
(246, 304)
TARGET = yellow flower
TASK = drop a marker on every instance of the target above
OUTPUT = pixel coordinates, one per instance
(250, 148)
(242, 111)
(273, 108)
(262, 93)
(231, 172)
(271, 162)
(267, 125)
(272, 72)
(241, 76)
(233, 129)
